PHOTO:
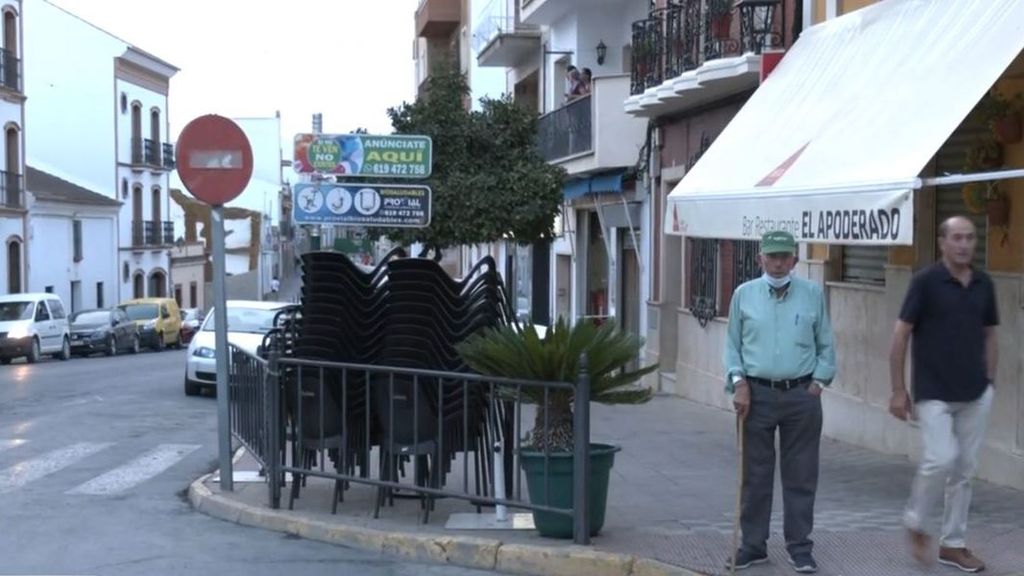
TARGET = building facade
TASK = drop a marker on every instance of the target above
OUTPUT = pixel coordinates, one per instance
(114, 97)
(752, 151)
(73, 234)
(12, 181)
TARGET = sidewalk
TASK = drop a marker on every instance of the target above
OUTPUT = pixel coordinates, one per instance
(671, 500)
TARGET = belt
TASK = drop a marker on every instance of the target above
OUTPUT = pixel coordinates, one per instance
(784, 385)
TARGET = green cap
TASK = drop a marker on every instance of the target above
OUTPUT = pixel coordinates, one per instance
(777, 242)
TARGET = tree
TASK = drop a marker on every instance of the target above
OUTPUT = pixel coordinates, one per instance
(488, 180)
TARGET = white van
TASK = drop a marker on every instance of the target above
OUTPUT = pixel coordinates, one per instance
(32, 325)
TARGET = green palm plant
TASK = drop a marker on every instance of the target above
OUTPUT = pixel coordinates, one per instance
(519, 352)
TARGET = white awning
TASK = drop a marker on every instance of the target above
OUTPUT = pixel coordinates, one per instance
(831, 146)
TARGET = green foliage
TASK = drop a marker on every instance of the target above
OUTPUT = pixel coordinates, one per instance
(488, 180)
(514, 352)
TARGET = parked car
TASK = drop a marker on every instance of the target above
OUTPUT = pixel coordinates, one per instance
(32, 325)
(159, 321)
(191, 318)
(106, 331)
(248, 322)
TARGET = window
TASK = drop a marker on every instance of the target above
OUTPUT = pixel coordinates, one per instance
(99, 295)
(193, 300)
(49, 289)
(42, 314)
(864, 264)
(76, 239)
(57, 309)
(13, 267)
(177, 294)
(702, 257)
(744, 261)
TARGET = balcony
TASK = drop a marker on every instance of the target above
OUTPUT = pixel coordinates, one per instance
(547, 12)
(438, 18)
(10, 71)
(688, 54)
(12, 190)
(150, 154)
(500, 40)
(591, 133)
(152, 233)
(168, 150)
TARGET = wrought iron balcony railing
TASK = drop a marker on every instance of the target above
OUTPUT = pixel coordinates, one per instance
(168, 150)
(151, 148)
(10, 70)
(687, 33)
(11, 190)
(152, 233)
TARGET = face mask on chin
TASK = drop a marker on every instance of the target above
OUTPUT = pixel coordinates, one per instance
(777, 282)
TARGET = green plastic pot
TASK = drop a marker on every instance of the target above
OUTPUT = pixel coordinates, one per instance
(560, 490)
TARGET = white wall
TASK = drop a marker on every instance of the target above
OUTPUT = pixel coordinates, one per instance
(69, 68)
(51, 260)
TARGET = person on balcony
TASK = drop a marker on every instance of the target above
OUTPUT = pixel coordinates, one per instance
(587, 78)
(575, 83)
(779, 355)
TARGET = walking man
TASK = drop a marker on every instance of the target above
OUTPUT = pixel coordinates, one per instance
(950, 308)
(778, 357)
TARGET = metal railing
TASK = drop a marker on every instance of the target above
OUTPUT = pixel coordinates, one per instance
(315, 410)
(11, 190)
(152, 233)
(10, 70)
(167, 227)
(138, 158)
(168, 150)
(703, 271)
(687, 33)
(744, 260)
(151, 149)
(567, 131)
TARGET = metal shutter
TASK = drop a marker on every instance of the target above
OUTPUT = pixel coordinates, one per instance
(865, 264)
(950, 159)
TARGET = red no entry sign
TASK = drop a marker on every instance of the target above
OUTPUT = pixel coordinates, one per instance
(214, 159)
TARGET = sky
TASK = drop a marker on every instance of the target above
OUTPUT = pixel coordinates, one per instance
(348, 59)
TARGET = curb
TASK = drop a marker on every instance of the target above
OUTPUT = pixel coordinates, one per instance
(463, 551)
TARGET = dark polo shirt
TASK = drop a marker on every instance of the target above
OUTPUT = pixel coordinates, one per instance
(949, 333)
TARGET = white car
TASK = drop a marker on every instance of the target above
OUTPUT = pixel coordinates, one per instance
(32, 325)
(248, 322)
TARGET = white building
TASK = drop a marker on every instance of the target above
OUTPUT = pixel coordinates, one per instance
(12, 115)
(99, 120)
(73, 234)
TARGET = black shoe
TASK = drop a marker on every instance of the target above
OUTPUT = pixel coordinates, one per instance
(803, 562)
(746, 559)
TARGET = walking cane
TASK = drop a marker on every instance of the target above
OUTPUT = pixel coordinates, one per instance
(739, 496)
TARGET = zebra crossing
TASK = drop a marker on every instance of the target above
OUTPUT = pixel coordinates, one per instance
(20, 467)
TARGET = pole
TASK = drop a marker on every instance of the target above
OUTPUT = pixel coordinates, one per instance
(220, 319)
(581, 456)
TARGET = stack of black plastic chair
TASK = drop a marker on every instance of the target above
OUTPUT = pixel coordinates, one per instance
(428, 314)
(342, 310)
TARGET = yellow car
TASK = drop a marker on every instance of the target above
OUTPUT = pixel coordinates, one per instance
(158, 319)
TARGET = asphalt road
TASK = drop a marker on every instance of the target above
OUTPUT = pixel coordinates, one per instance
(95, 457)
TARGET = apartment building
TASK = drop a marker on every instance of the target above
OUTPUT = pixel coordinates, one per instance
(12, 182)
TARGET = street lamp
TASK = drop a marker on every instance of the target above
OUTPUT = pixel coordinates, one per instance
(756, 17)
(602, 51)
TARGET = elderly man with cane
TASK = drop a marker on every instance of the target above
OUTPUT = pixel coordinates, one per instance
(778, 356)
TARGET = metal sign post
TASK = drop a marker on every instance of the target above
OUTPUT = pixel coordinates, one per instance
(220, 325)
(214, 160)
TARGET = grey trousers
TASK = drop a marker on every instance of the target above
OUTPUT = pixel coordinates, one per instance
(796, 414)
